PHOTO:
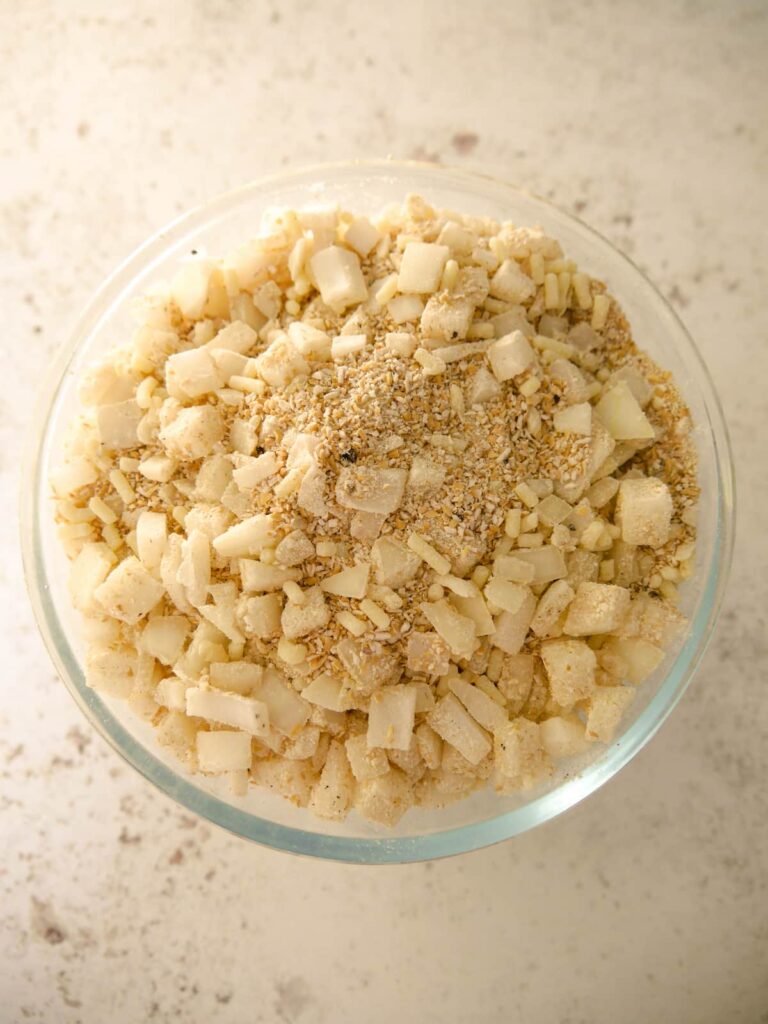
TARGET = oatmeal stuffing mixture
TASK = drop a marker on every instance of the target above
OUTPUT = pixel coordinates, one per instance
(370, 513)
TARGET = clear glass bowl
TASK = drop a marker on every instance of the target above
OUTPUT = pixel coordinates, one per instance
(485, 818)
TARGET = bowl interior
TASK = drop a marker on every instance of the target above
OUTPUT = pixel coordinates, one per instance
(366, 187)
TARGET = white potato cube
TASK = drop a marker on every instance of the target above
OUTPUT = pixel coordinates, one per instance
(384, 799)
(294, 548)
(563, 737)
(193, 373)
(89, 569)
(516, 680)
(430, 745)
(309, 341)
(507, 596)
(223, 751)
(332, 794)
(151, 537)
(328, 692)
(547, 561)
(311, 495)
(159, 468)
(511, 284)
(510, 356)
(129, 592)
(351, 582)
(394, 564)
(111, 671)
(511, 628)
(369, 663)
(73, 474)
(192, 433)
(446, 317)
(194, 572)
(570, 666)
(483, 387)
(596, 608)
(171, 693)
(520, 758)
(348, 345)
(293, 780)
(607, 704)
(475, 608)
(189, 288)
(164, 636)
(458, 631)
(260, 616)
(453, 723)
(574, 419)
(235, 676)
(485, 711)
(301, 620)
(288, 712)
(248, 537)
(422, 267)
(118, 424)
(232, 709)
(366, 762)
(371, 490)
(644, 511)
(361, 236)
(339, 277)
(235, 337)
(250, 471)
(425, 476)
(280, 362)
(621, 414)
(550, 608)
(405, 309)
(391, 717)
(427, 653)
(640, 657)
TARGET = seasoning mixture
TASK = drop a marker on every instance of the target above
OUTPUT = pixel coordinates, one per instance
(369, 513)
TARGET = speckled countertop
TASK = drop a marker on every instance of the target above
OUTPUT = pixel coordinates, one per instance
(649, 902)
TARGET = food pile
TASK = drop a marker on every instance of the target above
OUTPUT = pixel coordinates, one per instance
(369, 513)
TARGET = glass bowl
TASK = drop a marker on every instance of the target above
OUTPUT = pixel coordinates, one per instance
(484, 818)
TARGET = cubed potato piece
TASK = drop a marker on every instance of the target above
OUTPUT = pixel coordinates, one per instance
(302, 619)
(476, 609)
(547, 561)
(194, 570)
(511, 284)
(311, 497)
(511, 628)
(510, 356)
(459, 631)
(510, 567)
(520, 758)
(425, 476)
(294, 549)
(551, 606)
(427, 653)
(635, 381)
(583, 566)
(189, 288)
(192, 433)
(178, 734)
(235, 337)
(248, 537)
(596, 608)
(366, 762)
(483, 387)
(235, 676)
(129, 592)
(644, 511)
(446, 317)
(393, 563)
(391, 717)
(288, 711)
(430, 745)
(309, 341)
(369, 663)
(607, 704)
(507, 596)
(244, 713)
(485, 711)
(110, 671)
(457, 238)
(361, 236)
(304, 744)
(385, 799)
(516, 680)
(339, 277)
(366, 526)
(280, 362)
(652, 619)
(573, 384)
(640, 657)
(552, 510)
(171, 693)
(250, 471)
(118, 424)
(621, 414)
(563, 737)
(193, 373)
(260, 616)
(453, 723)
(371, 490)
(73, 474)
(292, 780)
(570, 666)
(332, 794)
(422, 267)
(574, 419)
(89, 569)
(164, 636)
(328, 692)
(350, 582)
(151, 538)
(223, 751)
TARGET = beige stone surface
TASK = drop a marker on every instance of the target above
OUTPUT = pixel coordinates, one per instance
(649, 901)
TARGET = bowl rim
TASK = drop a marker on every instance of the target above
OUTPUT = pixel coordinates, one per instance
(392, 849)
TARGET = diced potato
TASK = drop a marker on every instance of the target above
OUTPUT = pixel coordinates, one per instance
(235, 337)
(548, 563)
(652, 619)
(309, 341)
(457, 238)
(553, 510)
(366, 526)
(583, 566)
(73, 474)
(485, 711)
(192, 433)
(304, 744)
(292, 780)
(510, 356)
(194, 570)
(483, 387)
(348, 345)
(328, 692)
(151, 538)
(635, 381)
(422, 267)
(351, 582)
(574, 419)
(288, 711)
(157, 467)
(430, 745)
(425, 476)
(280, 362)
(260, 616)
(294, 548)
(369, 663)
(641, 657)
(405, 309)
(248, 537)
(563, 737)
(189, 288)
(171, 693)
(250, 471)
(385, 799)
(607, 704)
(301, 620)
(516, 680)
(512, 627)
(445, 317)
(644, 511)
(361, 236)
(570, 666)
(339, 277)
(596, 608)
(129, 592)
(573, 383)
(88, 570)
(223, 618)
(192, 374)
(453, 723)
(427, 653)
(371, 490)
(391, 717)
(551, 606)
(110, 671)
(620, 413)
(511, 284)
(510, 567)
(459, 631)
(164, 636)
(520, 759)
(332, 794)
(507, 596)
(235, 676)
(118, 424)
(366, 762)
(244, 713)
(223, 751)
(393, 563)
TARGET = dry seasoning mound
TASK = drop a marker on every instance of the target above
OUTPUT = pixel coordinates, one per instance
(369, 513)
